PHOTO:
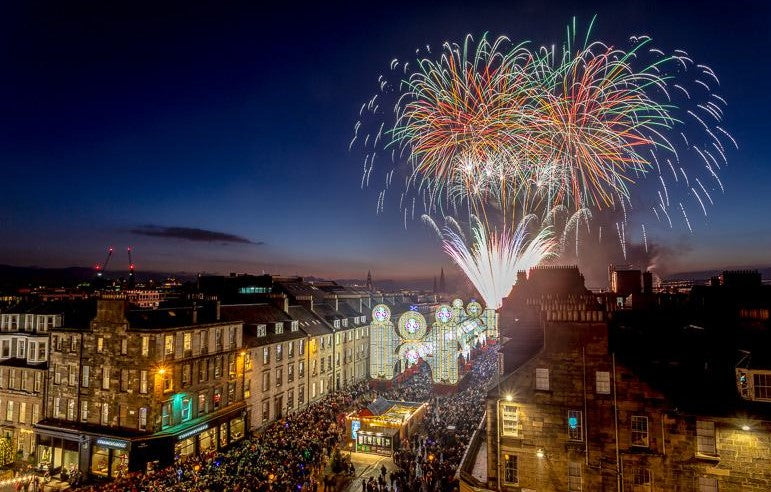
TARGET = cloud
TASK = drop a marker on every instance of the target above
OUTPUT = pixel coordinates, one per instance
(191, 234)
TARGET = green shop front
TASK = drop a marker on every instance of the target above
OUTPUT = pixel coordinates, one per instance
(113, 452)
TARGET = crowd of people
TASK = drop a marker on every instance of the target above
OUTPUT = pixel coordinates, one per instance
(429, 461)
(292, 453)
(289, 454)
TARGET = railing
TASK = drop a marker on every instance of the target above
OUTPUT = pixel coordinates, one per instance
(468, 460)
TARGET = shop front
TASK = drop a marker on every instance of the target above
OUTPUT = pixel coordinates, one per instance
(112, 456)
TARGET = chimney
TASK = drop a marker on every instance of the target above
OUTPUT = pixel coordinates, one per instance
(195, 313)
(111, 308)
(280, 300)
(218, 305)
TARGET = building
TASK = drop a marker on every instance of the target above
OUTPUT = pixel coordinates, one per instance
(276, 359)
(138, 389)
(24, 348)
(605, 405)
(382, 426)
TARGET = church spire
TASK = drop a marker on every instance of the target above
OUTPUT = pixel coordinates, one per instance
(369, 280)
(442, 287)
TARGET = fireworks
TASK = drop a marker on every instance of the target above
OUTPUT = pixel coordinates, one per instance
(492, 260)
(504, 131)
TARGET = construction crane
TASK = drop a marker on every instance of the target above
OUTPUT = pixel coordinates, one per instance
(131, 268)
(101, 268)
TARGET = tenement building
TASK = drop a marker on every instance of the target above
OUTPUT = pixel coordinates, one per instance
(640, 401)
(24, 332)
(136, 389)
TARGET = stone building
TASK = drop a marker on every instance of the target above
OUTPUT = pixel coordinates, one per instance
(136, 389)
(619, 404)
(277, 359)
(24, 339)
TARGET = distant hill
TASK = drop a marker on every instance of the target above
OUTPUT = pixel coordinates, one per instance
(765, 272)
(14, 277)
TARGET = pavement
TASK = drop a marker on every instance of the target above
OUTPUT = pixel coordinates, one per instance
(368, 465)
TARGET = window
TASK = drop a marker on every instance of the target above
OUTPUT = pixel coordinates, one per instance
(265, 355)
(575, 425)
(105, 413)
(639, 431)
(279, 376)
(705, 437)
(266, 381)
(9, 411)
(509, 420)
(602, 382)
(145, 345)
(143, 381)
(203, 370)
(294, 326)
(38, 382)
(300, 395)
(247, 388)
(217, 399)
(232, 337)
(187, 374)
(85, 379)
(247, 361)
(707, 484)
(301, 368)
(100, 344)
(168, 382)
(218, 339)
(186, 409)
(204, 342)
(6, 347)
(290, 349)
(83, 411)
(641, 479)
(290, 400)
(123, 346)
(168, 345)
(23, 412)
(761, 383)
(57, 407)
(71, 409)
(231, 366)
(261, 330)
(302, 347)
(143, 418)
(510, 472)
(290, 373)
(542, 379)
(187, 344)
(124, 380)
(20, 350)
(218, 367)
(106, 378)
(202, 403)
(265, 411)
(279, 352)
(574, 477)
(166, 414)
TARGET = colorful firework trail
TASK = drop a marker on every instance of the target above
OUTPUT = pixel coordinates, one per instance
(491, 260)
(501, 131)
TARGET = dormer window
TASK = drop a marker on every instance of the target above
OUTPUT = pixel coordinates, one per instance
(364, 318)
(295, 326)
(345, 322)
(336, 323)
(279, 328)
(261, 330)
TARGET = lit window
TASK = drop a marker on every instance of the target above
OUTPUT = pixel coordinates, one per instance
(168, 345)
(265, 355)
(123, 346)
(762, 386)
(542, 379)
(279, 349)
(145, 345)
(261, 331)
(142, 418)
(186, 409)
(106, 377)
(105, 414)
(143, 381)
(705, 437)
(602, 381)
(509, 420)
(99, 344)
(187, 344)
(510, 472)
(575, 425)
(574, 477)
(84, 411)
(639, 431)
(279, 328)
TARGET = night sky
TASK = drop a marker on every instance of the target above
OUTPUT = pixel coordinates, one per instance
(215, 138)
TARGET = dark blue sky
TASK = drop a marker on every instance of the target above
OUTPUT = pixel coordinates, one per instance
(119, 123)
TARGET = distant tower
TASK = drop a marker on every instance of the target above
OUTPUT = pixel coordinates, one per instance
(369, 280)
(441, 282)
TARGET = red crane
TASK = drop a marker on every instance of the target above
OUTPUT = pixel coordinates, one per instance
(100, 268)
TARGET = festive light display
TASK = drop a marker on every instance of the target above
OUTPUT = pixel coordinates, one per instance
(456, 330)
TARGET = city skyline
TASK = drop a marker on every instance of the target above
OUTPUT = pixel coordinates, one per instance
(218, 140)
